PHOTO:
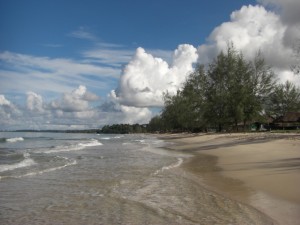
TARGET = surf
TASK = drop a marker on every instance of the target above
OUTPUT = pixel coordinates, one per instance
(24, 163)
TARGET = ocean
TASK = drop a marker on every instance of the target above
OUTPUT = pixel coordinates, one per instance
(63, 178)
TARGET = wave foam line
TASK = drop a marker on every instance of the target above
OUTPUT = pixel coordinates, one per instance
(74, 162)
(174, 165)
(76, 147)
(91, 144)
(25, 163)
(14, 139)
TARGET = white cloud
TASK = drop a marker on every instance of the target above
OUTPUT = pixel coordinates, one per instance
(112, 57)
(34, 102)
(76, 101)
(44, 74)
(49, 45)
(3, 100)
(290, 16)
(83, 33)
(58, 66)
(252, 29)
(68, 112)
(146, 78)
(134, 114)
(9, 113)
(289, 9)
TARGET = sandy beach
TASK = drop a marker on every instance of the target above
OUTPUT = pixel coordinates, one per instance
(258, 169)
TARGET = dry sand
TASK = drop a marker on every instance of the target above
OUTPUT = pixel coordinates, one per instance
(260, 169)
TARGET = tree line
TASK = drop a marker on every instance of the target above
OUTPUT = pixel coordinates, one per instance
(231, 92)
(123, 129)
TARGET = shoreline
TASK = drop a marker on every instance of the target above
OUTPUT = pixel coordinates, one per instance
(257, 169)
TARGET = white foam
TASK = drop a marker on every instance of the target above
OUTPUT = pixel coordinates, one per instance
(64, 149)
(173, 165)
(75, 147)
(15, 139)
(74, 162)
(91, 144)
(70, 163)
(118, 137)
(25, 163)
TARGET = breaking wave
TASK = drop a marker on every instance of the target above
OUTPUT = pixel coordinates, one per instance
(69, 163)
(24, 163)
(11, 140)
(92, 143)
(173, 165)
(74, 147)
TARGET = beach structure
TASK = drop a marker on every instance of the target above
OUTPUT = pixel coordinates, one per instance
(290, 120)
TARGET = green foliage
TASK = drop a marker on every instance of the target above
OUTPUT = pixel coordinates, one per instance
(229, 92)
(183, 112)
(123, 129)
(285, 98)
(156, 124)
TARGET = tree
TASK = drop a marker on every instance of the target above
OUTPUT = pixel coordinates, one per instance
(260, 84)
(185, 110)
(217, 92)
(156, 124)
(285, 98)
(173, 113)
(230, 91)
(193, 95)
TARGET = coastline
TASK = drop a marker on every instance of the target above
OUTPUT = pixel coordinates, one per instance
(257, 169)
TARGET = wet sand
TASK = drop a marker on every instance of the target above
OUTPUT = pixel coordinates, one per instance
(258, 169)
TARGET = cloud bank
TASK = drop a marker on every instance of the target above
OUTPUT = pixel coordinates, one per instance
(73, 110)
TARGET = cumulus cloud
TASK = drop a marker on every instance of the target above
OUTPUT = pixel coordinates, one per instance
(252, 29)
(289, 9)
(34, 102)
(132, 114)
(145, 78)
(290, 16)
(3, 100)
(76, 101)
(73, 110)
(9, 113)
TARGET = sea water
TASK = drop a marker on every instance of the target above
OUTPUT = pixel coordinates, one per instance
(60, 178)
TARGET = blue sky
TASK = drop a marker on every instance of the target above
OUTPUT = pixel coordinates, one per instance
(30, 26)
(65, 64)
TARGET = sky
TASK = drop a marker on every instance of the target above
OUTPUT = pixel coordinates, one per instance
(82, 64)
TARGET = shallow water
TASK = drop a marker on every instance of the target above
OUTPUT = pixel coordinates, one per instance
(49, 178)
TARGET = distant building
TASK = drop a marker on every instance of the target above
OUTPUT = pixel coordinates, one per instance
(290, 120)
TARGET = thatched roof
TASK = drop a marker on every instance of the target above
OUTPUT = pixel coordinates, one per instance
(289, 117)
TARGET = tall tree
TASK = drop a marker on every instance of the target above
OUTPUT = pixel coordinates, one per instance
(173, 111)
(230, 91)
(285, 98)
(193, 95)
(260, 84)
(217, 93)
